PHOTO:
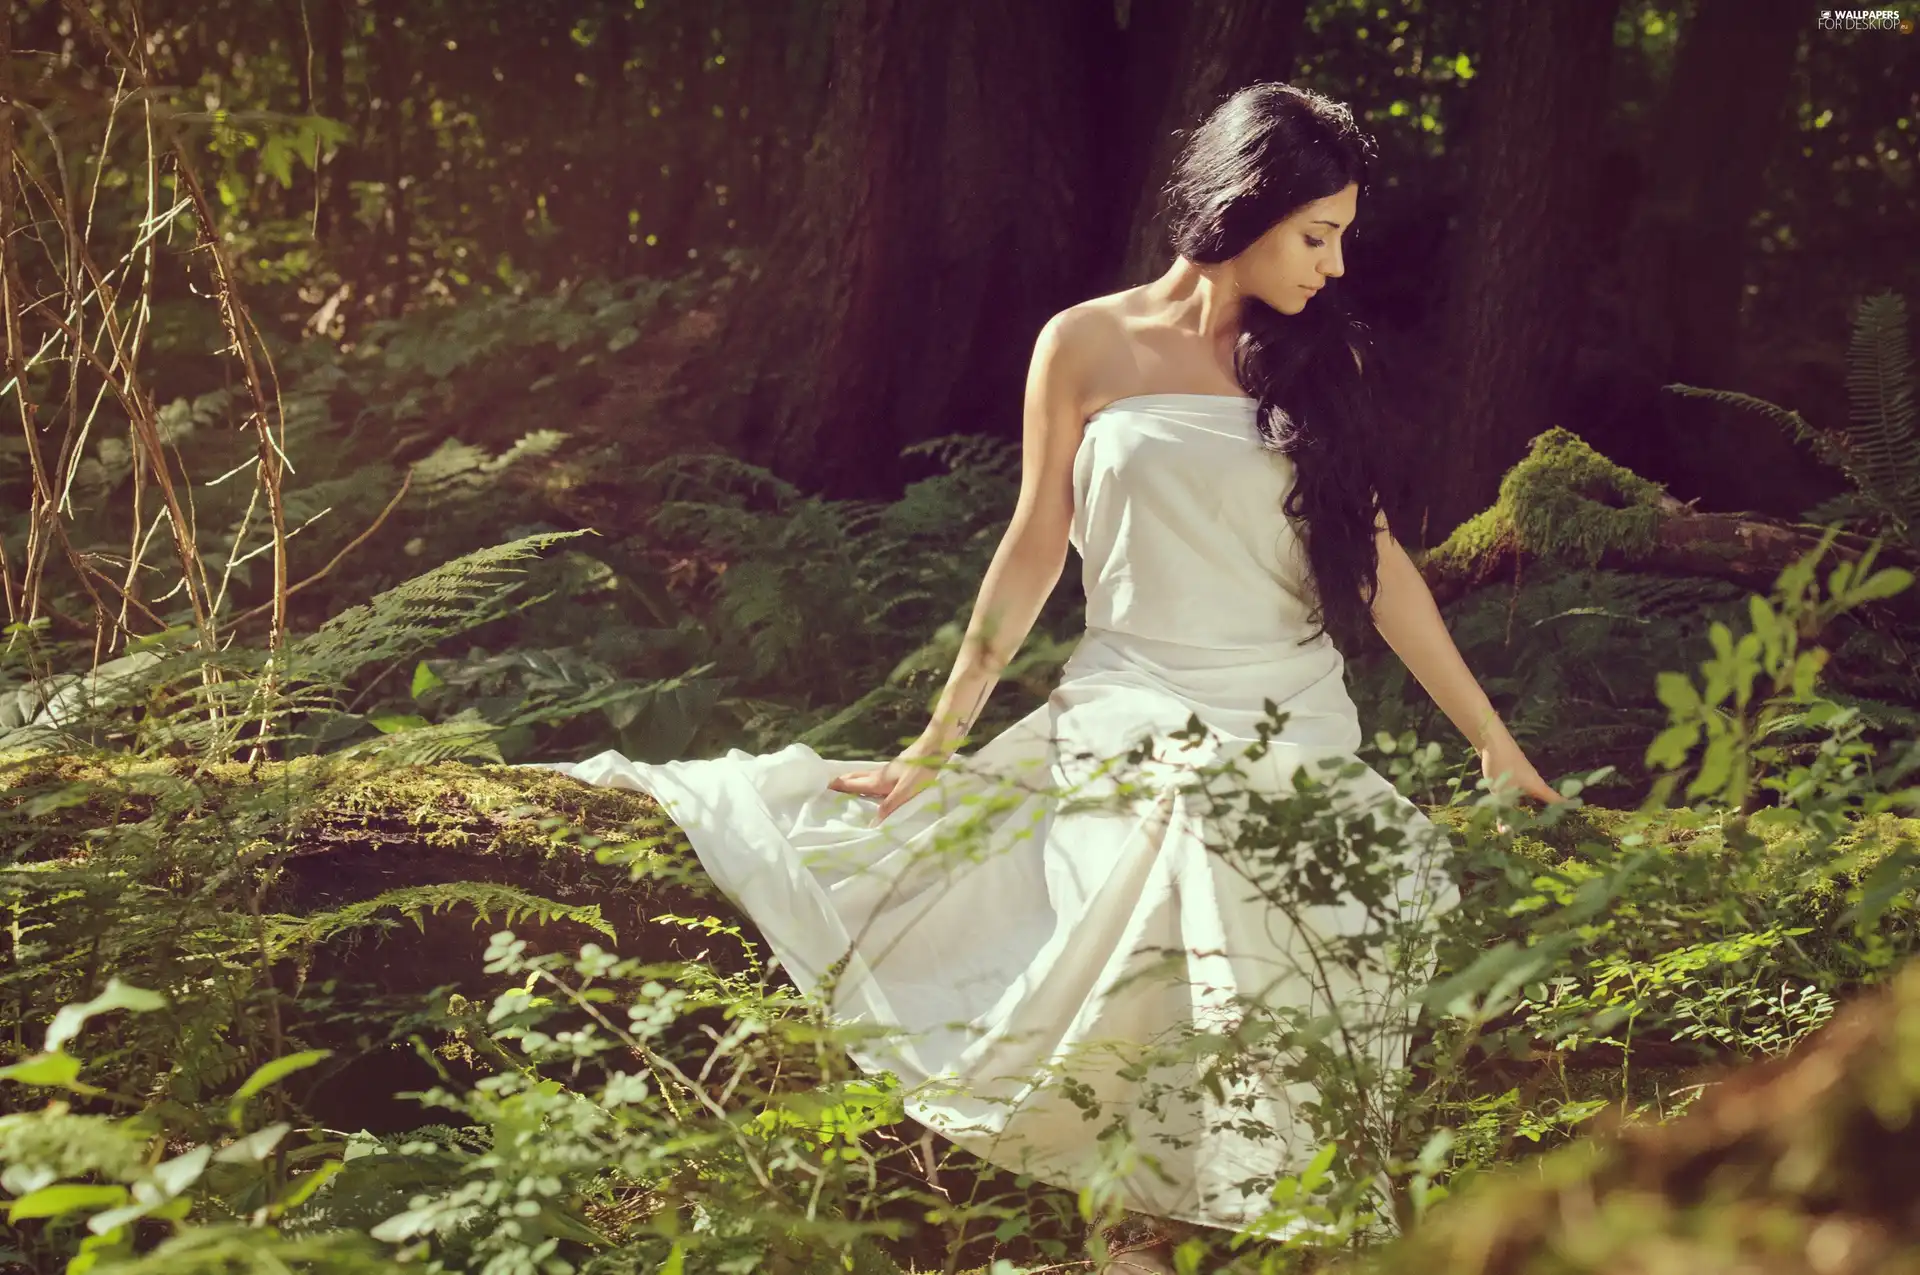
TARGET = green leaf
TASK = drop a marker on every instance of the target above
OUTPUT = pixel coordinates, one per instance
(112, 1243)
(105, 1224)
(1491, 980)
(1716, 767)
(65, 1197)
(1316, 1172)
(393, 723)
(302, 1188)
(1677, 692)
(176, 1175)
(117, 995)
(1881, 584)
(1670, 747)
(424, 680)
(276, 160)
(56, 1069)
(255, 1147)
(272, 1073)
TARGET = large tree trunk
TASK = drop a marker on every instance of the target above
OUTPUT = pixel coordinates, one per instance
(1207, 50)
(1522, 256)
(943, 213)
(1684, 256)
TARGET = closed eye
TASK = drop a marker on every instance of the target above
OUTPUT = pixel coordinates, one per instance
(1315, 243)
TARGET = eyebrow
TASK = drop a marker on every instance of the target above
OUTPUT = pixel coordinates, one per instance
(1334, 224)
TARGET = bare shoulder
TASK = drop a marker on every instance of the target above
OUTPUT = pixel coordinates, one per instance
(1081, 347)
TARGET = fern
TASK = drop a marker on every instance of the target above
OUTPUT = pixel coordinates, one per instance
(492, 904)
(1880, 451)
(1885, 461)
(457, 467)
(825, 595)
(466, 736)
(452, 597)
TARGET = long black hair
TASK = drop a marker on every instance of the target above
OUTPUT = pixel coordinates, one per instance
(1257, 158)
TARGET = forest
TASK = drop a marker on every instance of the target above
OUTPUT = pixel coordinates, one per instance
(399, 392)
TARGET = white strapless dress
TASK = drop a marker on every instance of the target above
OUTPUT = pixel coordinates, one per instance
(1029, 916)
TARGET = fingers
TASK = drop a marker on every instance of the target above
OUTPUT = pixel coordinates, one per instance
(902, 791)
(1541, 790)
(863, 783)
(906, 790)
(890, 790)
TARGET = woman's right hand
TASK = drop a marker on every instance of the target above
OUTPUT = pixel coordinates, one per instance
(895, 783)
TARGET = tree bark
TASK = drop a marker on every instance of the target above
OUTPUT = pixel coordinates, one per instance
(1217, 47)
(335, 215)
(1684, 258)
(1521, 259)
(950, 202)
(390, 70)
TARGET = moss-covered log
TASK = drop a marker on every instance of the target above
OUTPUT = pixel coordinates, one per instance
(343, 894)
(1567, 504)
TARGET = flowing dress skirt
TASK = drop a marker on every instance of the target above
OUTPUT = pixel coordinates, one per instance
(1040, 916)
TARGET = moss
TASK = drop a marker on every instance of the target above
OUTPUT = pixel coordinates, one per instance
(472, 810)
(1564, 502)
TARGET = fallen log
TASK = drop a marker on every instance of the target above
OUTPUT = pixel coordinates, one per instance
(1568, 505)
(334, 899)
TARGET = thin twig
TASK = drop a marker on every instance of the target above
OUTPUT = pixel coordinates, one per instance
(264, 608)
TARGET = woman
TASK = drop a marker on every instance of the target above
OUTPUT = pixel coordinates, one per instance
(1204, 441)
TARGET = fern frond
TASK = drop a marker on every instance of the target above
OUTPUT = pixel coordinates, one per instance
(453, 597)
(492, 904)
(464, 737)
(1822, 444)
(714, 477)
(976, 452)
(1885, 451)
(1880, 450)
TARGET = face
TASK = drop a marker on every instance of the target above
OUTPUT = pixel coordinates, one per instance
(1296, 257)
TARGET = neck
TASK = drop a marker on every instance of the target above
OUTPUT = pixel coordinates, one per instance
(1202, 299)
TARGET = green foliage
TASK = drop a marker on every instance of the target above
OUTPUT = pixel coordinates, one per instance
(1570, 653)
(398, 623)
(587, 1128)
(1661, 937)
(818, 598)
(1569, 659)
(486, 901)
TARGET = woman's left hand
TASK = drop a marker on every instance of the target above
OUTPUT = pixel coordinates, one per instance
(1505, 767)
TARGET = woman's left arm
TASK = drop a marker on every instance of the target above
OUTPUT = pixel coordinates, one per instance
(1408, 618)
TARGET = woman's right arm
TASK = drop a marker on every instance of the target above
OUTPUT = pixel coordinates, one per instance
(1026, 566)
